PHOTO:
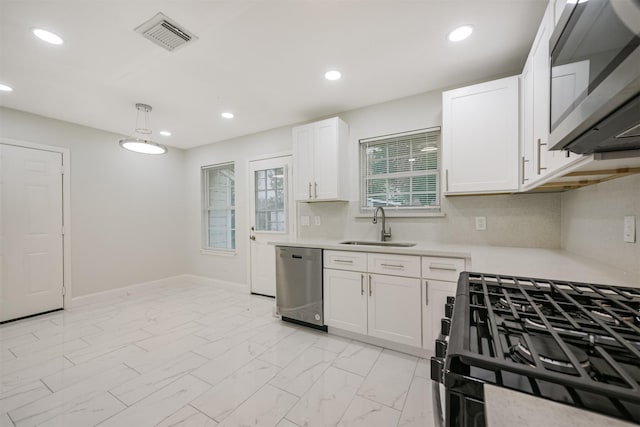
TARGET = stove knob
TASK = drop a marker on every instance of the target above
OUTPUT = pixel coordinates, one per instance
(441, 348)
(448, 311)
(437, 369)
(451, 300)
(445, 326)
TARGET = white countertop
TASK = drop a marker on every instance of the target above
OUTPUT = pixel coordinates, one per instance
(555, 264)
(508, 408)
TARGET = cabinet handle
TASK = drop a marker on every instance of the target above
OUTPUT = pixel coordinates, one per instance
(369, 285)
(392, 265)
(426, 292)
(361, 284)
(345, 261)
(315, 189)
(448, 267)
(309, 189)
(540, 144)
(446, 179)
(524, 161)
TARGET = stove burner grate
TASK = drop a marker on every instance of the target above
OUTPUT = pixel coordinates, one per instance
(550, 354)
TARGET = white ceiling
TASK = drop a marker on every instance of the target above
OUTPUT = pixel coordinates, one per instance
(262, 60)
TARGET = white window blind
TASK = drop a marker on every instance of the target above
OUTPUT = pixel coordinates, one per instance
(401, 171)
(218, 201)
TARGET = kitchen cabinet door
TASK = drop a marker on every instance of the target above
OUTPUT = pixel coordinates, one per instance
(537, 81)
(303, 162)
(345, 300)
(541, 64)
(434, 298)
(326, 152)
(526, 111)
(320, 161)
(480, 141)
(394, 309)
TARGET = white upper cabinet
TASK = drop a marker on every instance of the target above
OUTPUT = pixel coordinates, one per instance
(534, 105)
(480, 142)
(537, 160)
(319, 160)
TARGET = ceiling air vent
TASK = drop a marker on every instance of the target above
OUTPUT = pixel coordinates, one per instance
(165, 32)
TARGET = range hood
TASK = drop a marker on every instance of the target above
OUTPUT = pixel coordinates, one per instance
(619, 131)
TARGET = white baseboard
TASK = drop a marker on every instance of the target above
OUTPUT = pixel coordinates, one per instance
(231, 286)
(125, 291)
(168, 281)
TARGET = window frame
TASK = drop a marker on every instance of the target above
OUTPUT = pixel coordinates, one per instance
(401, 211)
(285, 201)
(206, 245)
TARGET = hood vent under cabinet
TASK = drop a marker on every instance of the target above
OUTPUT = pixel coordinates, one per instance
(165, 32)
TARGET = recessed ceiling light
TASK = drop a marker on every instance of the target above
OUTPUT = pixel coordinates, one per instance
(227, 115)
(5, 88)
(47, 36)
(460, 33)
(165, 133)
(333, 75)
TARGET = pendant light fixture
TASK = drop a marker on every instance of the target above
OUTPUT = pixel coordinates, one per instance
(140, 141)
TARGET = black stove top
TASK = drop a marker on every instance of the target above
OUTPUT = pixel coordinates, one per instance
(575, 343)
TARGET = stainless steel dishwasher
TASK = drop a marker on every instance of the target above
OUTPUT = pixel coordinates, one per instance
(299, 285)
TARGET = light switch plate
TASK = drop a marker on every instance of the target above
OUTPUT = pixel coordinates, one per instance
(630, 229)
(304, 220)
(316, 220)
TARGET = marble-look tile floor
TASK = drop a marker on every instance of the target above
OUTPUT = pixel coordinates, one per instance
(193, 355)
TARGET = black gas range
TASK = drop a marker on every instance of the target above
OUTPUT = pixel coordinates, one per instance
(574, 343)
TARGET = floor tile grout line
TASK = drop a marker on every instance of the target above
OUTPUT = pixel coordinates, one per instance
(191, 406)
(45, 384)
(253, 394)
(413, 376)
(11, 419)
(118, 399)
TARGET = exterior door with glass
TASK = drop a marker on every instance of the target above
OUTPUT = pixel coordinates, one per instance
(271, 207)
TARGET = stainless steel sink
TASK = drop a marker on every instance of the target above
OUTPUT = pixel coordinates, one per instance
(365, 243)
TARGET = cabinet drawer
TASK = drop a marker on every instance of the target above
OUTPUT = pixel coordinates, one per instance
(396, 265)
(439, 268)
(343, 260)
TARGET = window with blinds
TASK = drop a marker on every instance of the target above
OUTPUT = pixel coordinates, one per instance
(218, 203)
(401, 171)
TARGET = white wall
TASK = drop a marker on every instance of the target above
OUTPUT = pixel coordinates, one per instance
(226, 268)
(521, 220)
(127, 209)
(512, 220)
(138, 218)
(592, 222)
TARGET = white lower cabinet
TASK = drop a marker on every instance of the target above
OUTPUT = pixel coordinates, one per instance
(397, 298)
(435, 297)
(394, 309)
(345, 300)
(378, 305)
(439, 280)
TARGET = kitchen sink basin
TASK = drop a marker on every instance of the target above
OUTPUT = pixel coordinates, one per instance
(366, 243)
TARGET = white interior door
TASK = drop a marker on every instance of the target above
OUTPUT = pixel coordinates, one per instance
(271, 207)
(31, 245)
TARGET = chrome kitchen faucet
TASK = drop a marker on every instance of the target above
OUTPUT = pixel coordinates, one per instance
(384, 235)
